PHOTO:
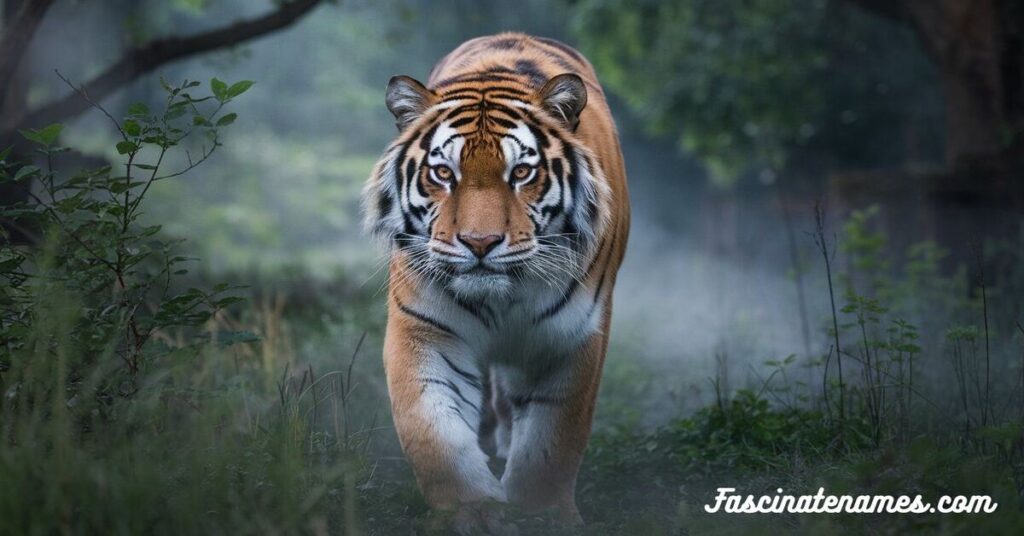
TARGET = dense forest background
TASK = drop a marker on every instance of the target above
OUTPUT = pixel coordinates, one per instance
(818, 188)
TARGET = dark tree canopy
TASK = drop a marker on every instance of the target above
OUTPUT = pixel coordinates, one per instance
(748, 86)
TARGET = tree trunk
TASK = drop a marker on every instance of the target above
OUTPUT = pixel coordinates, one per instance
(974, 120)
(964, 39)
(977, 48)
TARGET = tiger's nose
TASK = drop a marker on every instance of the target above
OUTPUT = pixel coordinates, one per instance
(480, 244)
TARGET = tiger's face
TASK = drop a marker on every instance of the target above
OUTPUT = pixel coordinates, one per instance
(486, 187)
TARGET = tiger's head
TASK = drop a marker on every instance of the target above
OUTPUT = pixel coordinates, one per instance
(487, 186)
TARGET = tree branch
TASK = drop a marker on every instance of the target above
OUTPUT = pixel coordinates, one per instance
(17, 35)
(145, 58)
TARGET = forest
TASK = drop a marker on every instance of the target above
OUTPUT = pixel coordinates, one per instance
(822, 289)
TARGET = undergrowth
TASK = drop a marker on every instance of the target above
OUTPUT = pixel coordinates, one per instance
(133, 403)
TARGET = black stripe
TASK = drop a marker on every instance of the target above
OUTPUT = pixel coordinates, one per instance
(506, 43)
(492, 105)
(454, 388)
(562, 47)
(600, 283)
(471, 378)
(475, 78)
(520, 401)
(426, 319)
(384, 203)
(425, 140)
(530, 69)
(412, 179)
(490, 90)
(507, 95)
(465, 108)
(560, 304)
(463, 121)
(546, 182)
(499, 69)
(504, 123)
(471, 308)
(479, 93)
(408, 227)
(542, 138)
(459, 413)
(597, 256)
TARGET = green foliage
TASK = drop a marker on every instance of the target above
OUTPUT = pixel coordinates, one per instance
(120, 410)
(736, 84)
(119, 275)
(746, 433)
(752, 86)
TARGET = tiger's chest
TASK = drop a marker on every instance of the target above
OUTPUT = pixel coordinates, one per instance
(533, 328)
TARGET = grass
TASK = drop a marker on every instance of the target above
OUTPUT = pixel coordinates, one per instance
(206, 433)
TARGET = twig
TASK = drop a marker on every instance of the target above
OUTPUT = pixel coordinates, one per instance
(822, 243)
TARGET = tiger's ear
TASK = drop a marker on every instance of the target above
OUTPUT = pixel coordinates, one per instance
(565, 96)
(407, 99)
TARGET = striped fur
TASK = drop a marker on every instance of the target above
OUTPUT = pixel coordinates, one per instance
(503, 201)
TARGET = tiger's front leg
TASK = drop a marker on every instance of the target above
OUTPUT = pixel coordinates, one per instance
(551, 420)
(435, 400)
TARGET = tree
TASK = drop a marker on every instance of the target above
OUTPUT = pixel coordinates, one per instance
(978, 47)
(734, 83)
(23, 17)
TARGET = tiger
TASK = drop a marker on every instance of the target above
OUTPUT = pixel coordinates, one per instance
(504, 208)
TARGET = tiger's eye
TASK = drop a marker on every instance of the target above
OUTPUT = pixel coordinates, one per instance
(444, 173)
(521, 172)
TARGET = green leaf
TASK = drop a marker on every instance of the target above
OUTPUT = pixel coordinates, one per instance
(49, 134)
(199, 120)
(167, 87)
(219, 89)
(120, 186)
(25, 171)
(138, 109)
(225, 302)
(238, 88)
(227, 119)
(44, 136)
(174, 112)
(125, 147)
(131, 127)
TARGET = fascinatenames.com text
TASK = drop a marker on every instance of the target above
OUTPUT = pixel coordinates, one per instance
(728, 501)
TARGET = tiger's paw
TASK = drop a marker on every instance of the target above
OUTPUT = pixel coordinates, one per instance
(486, 518)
